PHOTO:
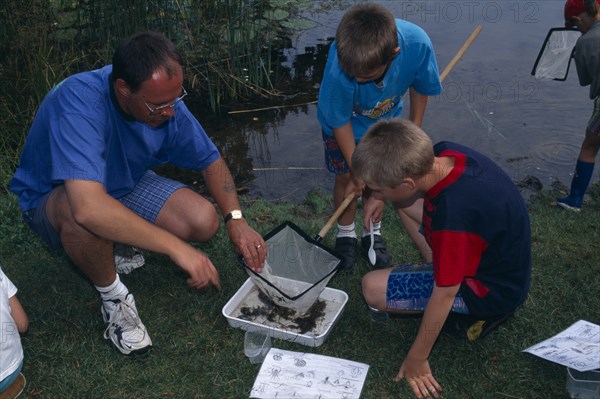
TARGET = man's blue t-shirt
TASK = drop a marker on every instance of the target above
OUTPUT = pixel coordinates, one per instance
(477, 225)
(342, 99)
(79, 132)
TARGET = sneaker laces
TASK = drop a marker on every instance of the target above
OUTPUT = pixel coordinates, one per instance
(123, 320)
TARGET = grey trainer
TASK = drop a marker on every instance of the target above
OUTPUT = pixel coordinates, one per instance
(127, 258)
(124, 327)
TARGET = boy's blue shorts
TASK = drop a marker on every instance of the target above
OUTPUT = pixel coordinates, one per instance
(146, 199)
(409, 287)
(334, 160)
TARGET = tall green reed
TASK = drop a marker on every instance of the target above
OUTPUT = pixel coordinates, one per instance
(229, 47)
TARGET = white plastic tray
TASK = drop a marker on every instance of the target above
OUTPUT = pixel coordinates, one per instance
(583, 385)
(247, 296)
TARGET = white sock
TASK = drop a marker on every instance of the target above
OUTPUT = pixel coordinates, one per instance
(376, 229)
(116, 289)
(346, 231)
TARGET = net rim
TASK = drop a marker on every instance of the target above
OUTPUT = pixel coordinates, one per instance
(545, 43)
(299, 231)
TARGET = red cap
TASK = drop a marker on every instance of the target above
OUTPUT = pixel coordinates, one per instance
(573, 8)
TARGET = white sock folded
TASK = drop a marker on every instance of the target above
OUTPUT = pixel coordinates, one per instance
(346, 231)
(116, 289)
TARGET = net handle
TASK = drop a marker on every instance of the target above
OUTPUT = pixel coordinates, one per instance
(460, 53)
(334, 217)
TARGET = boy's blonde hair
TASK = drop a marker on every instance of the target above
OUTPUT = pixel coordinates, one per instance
(366, 39)
(392, 150)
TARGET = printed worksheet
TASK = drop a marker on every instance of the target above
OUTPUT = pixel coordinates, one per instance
(287, 374)
(577, 347)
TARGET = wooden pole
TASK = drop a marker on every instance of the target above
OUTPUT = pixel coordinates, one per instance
(460, 53)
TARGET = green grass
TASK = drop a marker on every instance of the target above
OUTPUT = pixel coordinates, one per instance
(197, 355)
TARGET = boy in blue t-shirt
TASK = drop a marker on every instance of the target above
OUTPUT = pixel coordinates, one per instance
(473, 218)
(374, 60)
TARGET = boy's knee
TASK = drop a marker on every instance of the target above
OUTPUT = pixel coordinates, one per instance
(371, 289)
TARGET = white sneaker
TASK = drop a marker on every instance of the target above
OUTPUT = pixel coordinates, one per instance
(124, 327)
(127, 258)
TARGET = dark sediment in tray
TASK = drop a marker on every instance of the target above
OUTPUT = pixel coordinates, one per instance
(287, 318)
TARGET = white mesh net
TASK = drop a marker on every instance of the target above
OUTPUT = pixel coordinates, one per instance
(554, 58)
(297, 269)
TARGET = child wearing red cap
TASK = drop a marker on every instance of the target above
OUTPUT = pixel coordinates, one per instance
(585, 14)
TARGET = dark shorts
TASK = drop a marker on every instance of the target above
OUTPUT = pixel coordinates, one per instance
(37, 220)
(146, 199)
(593, 126)
(334, 160)
(409, 287)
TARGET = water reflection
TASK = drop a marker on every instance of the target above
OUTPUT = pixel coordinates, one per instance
(490, 101)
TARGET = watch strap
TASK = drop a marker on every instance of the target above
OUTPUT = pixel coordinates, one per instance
(229, 216)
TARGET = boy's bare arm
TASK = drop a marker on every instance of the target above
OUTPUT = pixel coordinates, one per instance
(436, 312)
(18, 314)
(345, 139)
(418, 103)
(415, 367)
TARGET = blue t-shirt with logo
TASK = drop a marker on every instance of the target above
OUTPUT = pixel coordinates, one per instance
(342, 99)
(79, 132)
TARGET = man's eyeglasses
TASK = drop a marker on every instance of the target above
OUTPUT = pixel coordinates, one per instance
(160, 108)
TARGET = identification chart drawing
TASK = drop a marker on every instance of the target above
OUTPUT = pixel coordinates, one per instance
(287, 374)
(577, 347)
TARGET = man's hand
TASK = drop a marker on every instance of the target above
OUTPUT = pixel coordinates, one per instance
(248, 243)
(201, 270)
(418, 374)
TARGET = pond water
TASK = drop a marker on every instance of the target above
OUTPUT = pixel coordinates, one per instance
(490, 101)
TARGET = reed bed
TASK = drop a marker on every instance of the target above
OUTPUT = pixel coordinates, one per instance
(230, 48)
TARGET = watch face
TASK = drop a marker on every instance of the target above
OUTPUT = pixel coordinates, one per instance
(236, 214)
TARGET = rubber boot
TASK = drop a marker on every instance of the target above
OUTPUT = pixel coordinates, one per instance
(579, 184)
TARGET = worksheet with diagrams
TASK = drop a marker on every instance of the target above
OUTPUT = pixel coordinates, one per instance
(287, 374)
(577, 347)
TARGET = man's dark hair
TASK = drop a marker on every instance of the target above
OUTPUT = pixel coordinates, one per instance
(142, 54)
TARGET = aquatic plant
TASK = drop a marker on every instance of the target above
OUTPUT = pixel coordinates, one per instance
(230, 47)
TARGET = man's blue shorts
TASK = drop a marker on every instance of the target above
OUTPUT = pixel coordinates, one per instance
(334, 160)
(409, 287)
(146, 199)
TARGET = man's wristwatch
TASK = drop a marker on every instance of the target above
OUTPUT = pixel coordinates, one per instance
(236, 214)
